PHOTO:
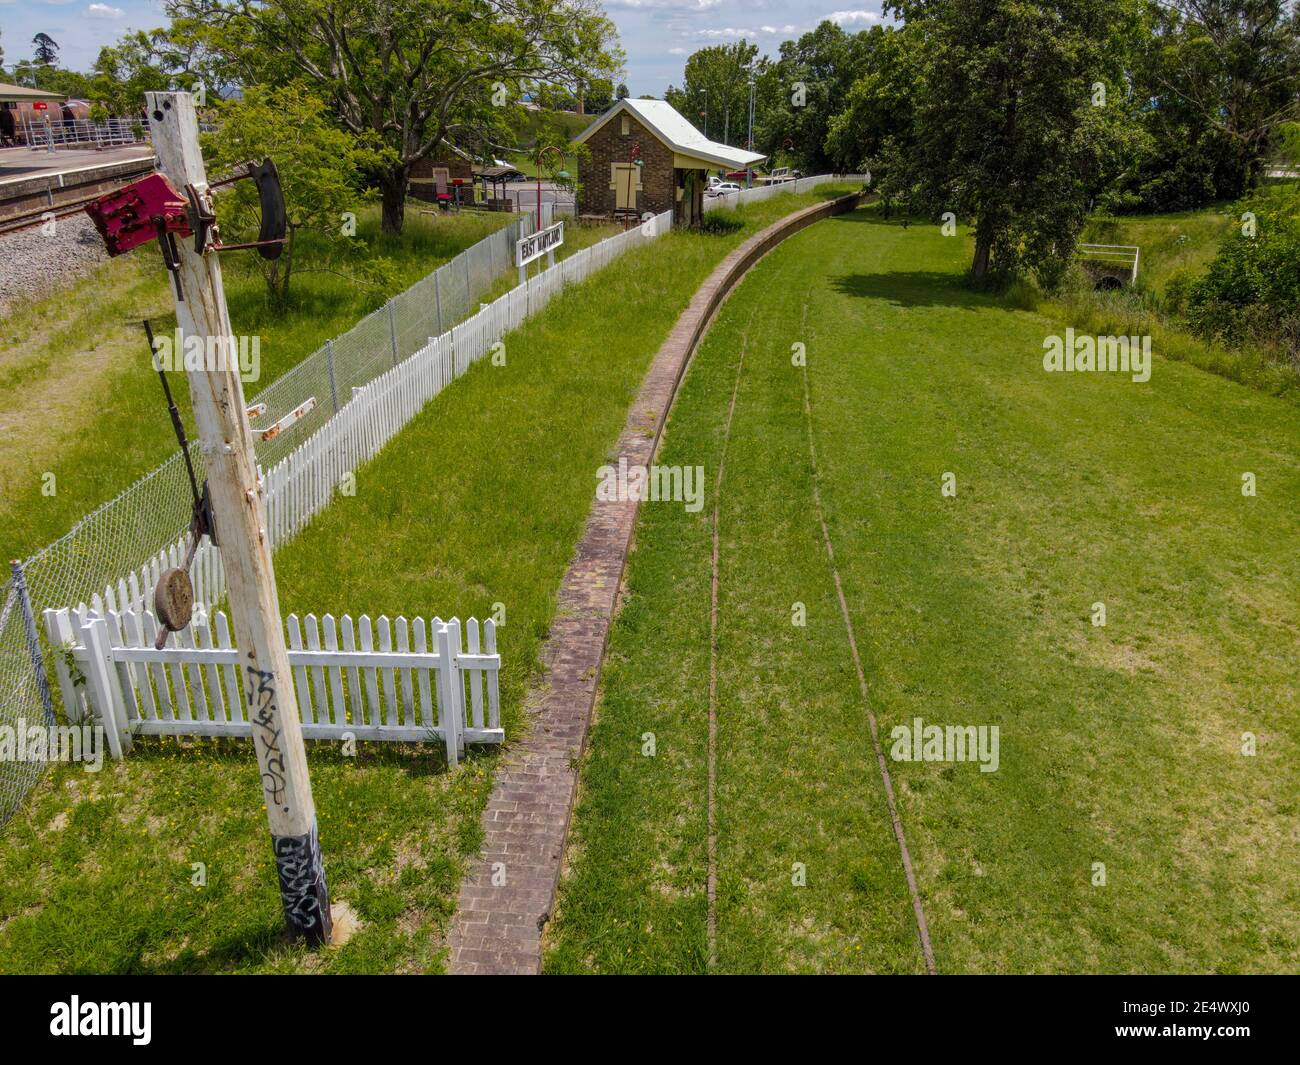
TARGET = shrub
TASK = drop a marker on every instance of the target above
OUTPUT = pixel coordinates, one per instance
(720, 223)
(1252, 288)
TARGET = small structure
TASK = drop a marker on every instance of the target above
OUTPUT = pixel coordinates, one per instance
(646, 157)
(443, 181)
(494, 180)
(1110, 266)
(20, 104)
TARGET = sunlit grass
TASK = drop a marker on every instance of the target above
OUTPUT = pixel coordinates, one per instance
(1120, 745)
(480, 500)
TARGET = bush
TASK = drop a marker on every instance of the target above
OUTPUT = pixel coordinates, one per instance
(1252, 288)
(720, 223)
(1178, 290)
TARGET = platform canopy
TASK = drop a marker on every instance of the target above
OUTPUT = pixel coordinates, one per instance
(691, 148)
(24, 94)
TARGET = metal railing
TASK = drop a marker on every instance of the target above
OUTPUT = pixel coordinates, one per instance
(50, 134)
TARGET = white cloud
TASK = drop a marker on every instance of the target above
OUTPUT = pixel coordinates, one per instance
(849, 18)
(664, 5)
(731, 33)
(104, 11)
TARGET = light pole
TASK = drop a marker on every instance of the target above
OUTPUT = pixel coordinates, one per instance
(749, 143)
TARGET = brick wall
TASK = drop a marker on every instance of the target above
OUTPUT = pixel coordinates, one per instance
(608, 146)
(422, 174)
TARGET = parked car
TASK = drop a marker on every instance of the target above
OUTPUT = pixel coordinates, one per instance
(722, 188)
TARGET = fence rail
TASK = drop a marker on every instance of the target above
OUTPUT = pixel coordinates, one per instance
(1117, 258)
(395, 681)
(93, 564)
(55, 133)
(766, 192)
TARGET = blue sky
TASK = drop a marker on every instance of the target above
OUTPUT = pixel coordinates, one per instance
(657, 35)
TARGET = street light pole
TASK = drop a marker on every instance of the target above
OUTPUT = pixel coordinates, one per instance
(749, 144)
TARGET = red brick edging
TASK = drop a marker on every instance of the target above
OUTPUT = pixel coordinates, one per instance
(498, 929)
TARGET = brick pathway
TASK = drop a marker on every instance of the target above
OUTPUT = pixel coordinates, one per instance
(498, 929)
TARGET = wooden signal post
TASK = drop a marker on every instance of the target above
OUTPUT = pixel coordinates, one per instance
(239, 519)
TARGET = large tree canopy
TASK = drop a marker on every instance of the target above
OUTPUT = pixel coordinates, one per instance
(1008, 130)
(1228, 73)
(411, 76)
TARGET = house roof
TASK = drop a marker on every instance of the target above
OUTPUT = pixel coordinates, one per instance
(25, 94)
(666, 123)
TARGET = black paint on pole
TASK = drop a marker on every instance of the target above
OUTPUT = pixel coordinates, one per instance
(303, 890)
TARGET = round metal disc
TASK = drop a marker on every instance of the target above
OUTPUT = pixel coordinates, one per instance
(173, 599)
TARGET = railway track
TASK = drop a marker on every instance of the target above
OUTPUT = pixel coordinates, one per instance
(28, 219)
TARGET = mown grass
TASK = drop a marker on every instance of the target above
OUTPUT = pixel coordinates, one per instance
(80, 399)
(1119, 745)
(480, 500)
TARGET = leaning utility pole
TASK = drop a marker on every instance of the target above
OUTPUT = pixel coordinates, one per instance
(239, 519)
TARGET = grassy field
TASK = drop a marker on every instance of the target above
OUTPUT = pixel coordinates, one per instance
(1120, 745)
(481, 499)
(80, 400)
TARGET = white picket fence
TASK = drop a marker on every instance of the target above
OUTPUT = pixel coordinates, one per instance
(766, 192)
(304, 481)
(398, 681)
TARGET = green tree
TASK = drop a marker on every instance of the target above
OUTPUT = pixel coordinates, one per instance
(1251, 291)
(598, 96)
(46, 52)
(874, 129)
(1231, 69)
(808, 86)
(411, 74)
(319, 164)
(1008, 131)
(125, 71)
(715, 89)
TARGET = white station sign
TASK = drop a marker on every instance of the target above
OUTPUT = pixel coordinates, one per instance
(539, 244)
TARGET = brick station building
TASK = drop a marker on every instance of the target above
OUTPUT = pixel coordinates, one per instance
(675, 160)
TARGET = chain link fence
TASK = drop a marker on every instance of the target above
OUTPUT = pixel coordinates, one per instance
(108, 546)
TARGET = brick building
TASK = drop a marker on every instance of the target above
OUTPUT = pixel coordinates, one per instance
(431, 179)
(646, 157)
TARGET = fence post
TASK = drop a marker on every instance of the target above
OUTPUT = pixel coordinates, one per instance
(392, 330)
(33, 640)
(329, 359)
(99, 677)
(448, 704)
(437, 296)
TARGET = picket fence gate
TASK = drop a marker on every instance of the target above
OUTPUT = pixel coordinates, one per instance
(398, 681)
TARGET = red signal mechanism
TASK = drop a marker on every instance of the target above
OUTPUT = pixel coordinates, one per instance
(145, 210)
(152, 209)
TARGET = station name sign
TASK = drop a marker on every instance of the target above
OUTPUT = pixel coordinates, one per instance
(539, 244)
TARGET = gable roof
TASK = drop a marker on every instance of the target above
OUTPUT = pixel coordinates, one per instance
(666, 123)
(23, 94)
